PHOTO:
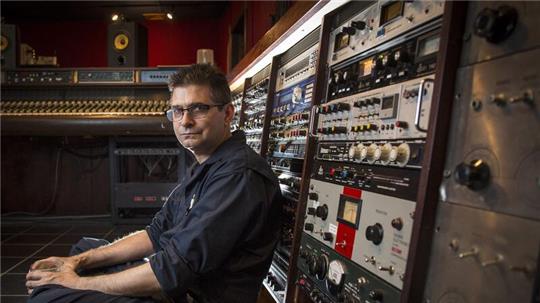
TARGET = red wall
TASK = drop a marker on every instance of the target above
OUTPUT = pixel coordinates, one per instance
(76, 44)
(258, 21)
(176, 43)
(84, 43)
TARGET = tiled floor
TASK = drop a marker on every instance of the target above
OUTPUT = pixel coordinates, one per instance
(23, 242)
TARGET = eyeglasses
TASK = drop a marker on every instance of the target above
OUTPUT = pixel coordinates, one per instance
(196, 111)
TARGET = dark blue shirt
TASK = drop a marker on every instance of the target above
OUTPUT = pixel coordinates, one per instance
(216, 234)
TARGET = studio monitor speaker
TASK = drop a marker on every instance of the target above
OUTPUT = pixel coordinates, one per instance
(127, 45)
(9, 46)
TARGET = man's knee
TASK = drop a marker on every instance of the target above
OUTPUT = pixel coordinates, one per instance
(48, 293)
(87, 243)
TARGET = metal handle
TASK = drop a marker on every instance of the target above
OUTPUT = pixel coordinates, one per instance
(419, 104)
(314, 110)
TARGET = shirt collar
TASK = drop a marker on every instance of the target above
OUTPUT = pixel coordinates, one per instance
(228, 147)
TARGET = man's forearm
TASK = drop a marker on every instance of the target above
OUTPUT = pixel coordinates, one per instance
(132, 247)
(136, 281)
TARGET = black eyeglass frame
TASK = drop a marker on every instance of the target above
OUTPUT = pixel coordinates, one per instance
(170, 113)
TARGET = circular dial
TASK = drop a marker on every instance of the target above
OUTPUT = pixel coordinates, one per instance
(385, 153)
(322, 267)
(317, 266)
(474, 175)
(357, 152)
(121, 41)
(373, 153)
(403, 154)
(352, 152)
(375, 233)
(322, 212)
(495, 25)
(392, 156)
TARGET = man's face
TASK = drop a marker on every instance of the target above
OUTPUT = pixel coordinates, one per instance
(200, 134)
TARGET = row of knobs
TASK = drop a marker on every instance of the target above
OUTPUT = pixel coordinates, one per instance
(289, 119)
(257, 92)
(292, 133)
(385, 153)
(317, 265)
(84, 106)
(381, 64)
(255, 122)
(334, 108)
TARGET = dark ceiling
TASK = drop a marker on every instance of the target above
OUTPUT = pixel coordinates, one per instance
(17, 11)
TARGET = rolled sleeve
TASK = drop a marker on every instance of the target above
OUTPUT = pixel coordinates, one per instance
(226, 213)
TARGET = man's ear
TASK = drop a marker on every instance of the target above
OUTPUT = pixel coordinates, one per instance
(229, 113)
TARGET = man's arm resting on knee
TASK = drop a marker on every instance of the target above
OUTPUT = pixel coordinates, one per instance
(132, 247)
(136, 281)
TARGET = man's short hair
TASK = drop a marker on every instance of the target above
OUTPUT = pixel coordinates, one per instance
(205, 75)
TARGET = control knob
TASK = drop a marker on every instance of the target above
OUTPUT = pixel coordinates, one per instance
(309, 226)
(360, 25)
(348, 30)
(374, 233)
(495, 25)
(373, 153)
(318, 266)
(358, 152)
(403, 154)
(397, 223)
(385, 153)
(474, 175)
(322, 212)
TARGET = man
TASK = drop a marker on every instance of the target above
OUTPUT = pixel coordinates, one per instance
(214, 237)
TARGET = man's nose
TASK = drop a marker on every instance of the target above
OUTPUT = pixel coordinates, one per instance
(186, 120)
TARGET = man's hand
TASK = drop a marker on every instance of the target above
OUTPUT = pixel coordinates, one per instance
(56, 263)
(53, 270)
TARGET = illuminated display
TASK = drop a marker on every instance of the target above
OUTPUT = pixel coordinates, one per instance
(342, 41)
(364, 67)
(391, 11)
(349, 211)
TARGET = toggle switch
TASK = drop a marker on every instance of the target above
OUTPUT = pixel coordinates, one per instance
(370, 260)
(342, 244)
(471, 253)
(497, 260)
(390, 269)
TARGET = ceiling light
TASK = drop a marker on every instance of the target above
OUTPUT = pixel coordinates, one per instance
(169, 16)
(115, 17)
